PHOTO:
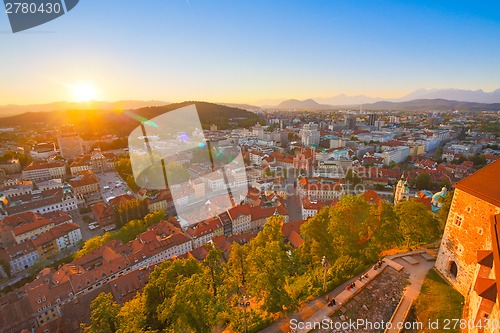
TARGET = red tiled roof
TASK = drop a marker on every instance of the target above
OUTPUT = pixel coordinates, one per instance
(259, 212)
(102, 211)
(484, 184)
(21, 218)
(312, 205)
(38, 223)
(11, 251)
(87, 178)
(237, 211)
(371, 197)
(126, 286)
(44, 165)
(204, 227)
(200, 253)
(55, 233)
(58, 216)
(121, 199)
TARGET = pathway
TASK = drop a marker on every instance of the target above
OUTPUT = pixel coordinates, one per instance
(316, 310)
(417, 273)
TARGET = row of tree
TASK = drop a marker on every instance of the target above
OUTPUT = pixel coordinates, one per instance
(185, 295)
(126, 233)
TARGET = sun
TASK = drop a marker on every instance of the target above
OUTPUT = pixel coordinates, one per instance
(84, 92)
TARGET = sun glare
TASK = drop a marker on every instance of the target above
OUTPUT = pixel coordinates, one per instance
(84, 93)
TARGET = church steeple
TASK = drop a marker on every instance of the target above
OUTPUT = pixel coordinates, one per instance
(402, 190)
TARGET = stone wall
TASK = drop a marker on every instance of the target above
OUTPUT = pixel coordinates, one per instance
(460, 243)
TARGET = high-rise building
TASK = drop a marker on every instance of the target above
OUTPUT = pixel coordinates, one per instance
(350, 122)
(310, 135)
(258, 131)
(70, 145)
(372, 118)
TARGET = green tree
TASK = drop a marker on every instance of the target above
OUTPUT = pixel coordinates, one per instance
(386, 234)
(6, 267)
(269, 267)
(423, 181)
(443, 212)
(132, 316)
(161, 288)
(237, 266)
(352, 177)
(214, 267)
(416, 222)
(38, 266)
(104, 314)
(93, 244)
(191, 306)
(318, 237)
(176, 173)
(351, 225)
(437, 155)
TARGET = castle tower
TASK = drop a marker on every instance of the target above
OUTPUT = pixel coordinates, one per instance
(469, 255)
(402, 190)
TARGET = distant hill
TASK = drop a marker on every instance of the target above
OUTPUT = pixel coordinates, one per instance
(344, 99)
(308, 104)
(432, 104)
(89, 122)
(414, 105)
(322, 103)
(9, 110)
(476, 96)
(247, 107)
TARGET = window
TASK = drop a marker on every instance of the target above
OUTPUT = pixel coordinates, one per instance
(453, 269)
(458, 220)
(480, 231)
(468, 209)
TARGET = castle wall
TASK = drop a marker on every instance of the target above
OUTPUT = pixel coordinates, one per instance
(467, 231)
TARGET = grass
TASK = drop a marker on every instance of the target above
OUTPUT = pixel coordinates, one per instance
(438, 301)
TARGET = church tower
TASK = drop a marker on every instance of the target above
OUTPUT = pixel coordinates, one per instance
(402, 190)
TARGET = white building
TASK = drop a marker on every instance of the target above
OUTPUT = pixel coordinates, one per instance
(397, 155)
(45, 170)
(67, 235)
(20, 256)
(309, 134)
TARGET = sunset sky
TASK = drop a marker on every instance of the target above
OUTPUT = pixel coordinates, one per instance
(250, 51)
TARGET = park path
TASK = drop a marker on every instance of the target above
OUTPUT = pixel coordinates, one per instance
(418, 272)
(316, 310)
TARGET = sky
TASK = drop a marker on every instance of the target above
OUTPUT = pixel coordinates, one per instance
(251, 51)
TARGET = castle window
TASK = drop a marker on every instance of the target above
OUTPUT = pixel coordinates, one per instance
(468, 209)
(458, 220)
(453, 269)
(480, 231)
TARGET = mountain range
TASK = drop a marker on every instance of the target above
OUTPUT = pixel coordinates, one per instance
(454, 96)
(436, 95)
(90, 122)
(11, 110)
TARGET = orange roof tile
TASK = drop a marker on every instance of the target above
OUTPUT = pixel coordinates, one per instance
(483, 184)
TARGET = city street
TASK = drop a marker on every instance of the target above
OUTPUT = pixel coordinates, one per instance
(84, 226)
(293, 202)
(108, 184)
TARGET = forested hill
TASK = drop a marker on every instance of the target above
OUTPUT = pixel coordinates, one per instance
(123, 122)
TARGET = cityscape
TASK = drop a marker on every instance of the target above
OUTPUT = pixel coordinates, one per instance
(154, 179)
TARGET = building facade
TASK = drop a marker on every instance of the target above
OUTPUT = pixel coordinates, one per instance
(469, 255)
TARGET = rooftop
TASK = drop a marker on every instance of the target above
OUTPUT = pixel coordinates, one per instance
(483, 184)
